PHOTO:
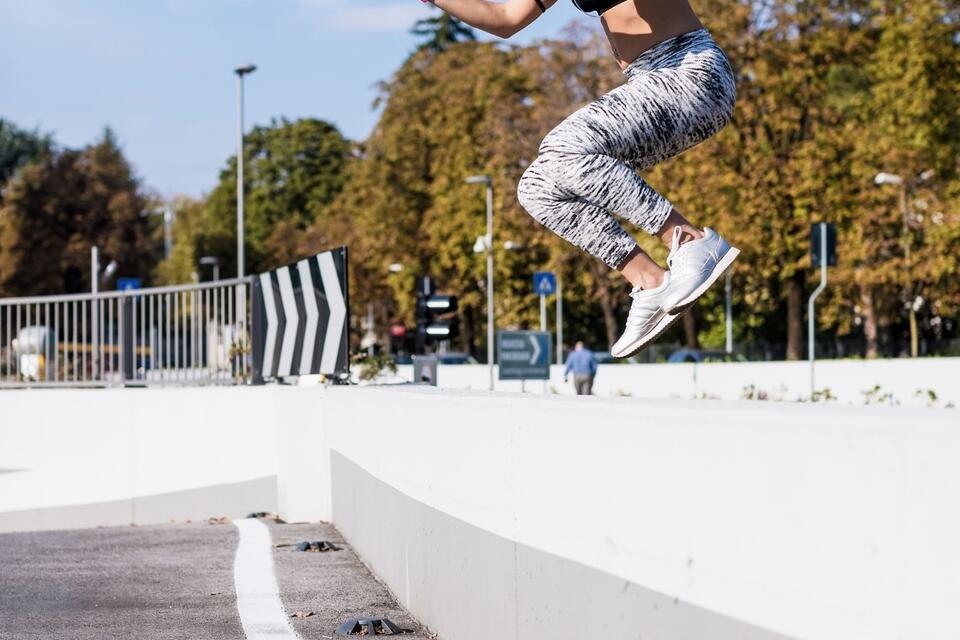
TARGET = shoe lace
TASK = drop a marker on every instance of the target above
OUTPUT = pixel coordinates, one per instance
(674, 247)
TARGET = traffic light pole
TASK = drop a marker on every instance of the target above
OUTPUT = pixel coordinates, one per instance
(543, 324)
(559, 320)
(811, 320)
(490, 327)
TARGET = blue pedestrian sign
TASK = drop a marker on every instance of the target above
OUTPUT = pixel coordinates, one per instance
(523, 355)
(128, 284)
(544, 283)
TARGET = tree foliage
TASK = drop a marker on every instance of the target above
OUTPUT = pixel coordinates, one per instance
(441, 31)
(60, 206)
(19, 147)
(829, 95)
(292, 171)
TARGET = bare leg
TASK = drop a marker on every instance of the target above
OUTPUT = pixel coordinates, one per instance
(690, 232)
(640, 269)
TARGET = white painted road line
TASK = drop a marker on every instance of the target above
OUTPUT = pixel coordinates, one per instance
(258, 598)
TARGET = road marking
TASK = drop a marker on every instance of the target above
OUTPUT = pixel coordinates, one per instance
(258, 598)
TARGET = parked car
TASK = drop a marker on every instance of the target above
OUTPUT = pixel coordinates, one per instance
(604, 357)
(457, 358)
(444, 358)
(701, 355)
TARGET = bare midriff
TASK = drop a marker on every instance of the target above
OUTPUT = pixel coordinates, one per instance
(633, 26)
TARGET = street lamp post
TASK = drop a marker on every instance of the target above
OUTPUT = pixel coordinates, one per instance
(241, 72)
(213, 261)
(905, 186)
(485, 180)
(728, 311)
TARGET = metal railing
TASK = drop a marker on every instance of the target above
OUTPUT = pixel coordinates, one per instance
(186, 334)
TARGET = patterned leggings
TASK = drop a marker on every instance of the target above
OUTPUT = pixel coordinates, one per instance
(677, 94)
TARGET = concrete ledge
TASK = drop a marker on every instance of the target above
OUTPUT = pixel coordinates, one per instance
(903, 381)
(477, 585)
(232, 500)
(807, 521)
(538, 516)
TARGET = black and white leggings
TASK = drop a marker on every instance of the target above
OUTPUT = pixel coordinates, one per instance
(677, 94)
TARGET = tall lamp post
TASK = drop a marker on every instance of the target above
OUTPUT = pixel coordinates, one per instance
(240, 71)
(488, 246)
(905, 186)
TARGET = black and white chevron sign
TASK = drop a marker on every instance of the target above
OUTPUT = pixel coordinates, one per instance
(301, 318)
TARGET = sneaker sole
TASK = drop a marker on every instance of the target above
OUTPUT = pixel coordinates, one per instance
(721, 267)
(665, 323)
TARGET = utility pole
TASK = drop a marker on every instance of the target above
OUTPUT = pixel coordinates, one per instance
(728, 311)
(559, 320)
(95, 309)
(241, 72)
(485, 180)
(907, 241)
(908, 259)
(811, 319)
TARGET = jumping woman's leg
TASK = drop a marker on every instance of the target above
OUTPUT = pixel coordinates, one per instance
(678, 94)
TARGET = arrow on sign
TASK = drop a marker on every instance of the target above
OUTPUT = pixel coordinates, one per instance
(536, 350)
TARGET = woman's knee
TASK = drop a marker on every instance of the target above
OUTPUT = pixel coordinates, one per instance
(564, 139)
(534, 189)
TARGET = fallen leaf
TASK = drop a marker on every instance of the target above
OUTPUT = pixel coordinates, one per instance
(302, 614)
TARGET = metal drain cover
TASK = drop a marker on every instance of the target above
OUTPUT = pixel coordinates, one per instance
(368, 627)
(317, 546)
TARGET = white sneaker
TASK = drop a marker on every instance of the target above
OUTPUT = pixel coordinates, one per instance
(647, 319)
(695, 266)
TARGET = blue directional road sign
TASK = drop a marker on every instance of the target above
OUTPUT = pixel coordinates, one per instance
(524, 355)
(544, 283)
(128, 284)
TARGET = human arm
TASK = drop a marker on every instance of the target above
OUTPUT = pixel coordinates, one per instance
(502, 19)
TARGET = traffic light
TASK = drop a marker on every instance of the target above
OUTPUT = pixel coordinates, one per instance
(435, 320)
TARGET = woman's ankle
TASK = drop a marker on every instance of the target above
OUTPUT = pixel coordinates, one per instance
(651, 280)
(674, 220)
(641, 271)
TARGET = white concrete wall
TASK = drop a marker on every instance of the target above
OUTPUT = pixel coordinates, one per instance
(809, 521)
(847, 380)
(67, 448)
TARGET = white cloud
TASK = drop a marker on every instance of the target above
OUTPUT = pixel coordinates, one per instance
(396, 17)
(48, 17)
(343, 15)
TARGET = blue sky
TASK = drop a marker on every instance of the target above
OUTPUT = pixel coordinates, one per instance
(160, 71)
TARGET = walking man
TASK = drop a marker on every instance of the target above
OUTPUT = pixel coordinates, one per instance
(584, 367)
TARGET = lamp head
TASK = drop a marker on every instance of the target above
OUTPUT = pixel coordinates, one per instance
(245, 69)
(888, 178)
(478, 180)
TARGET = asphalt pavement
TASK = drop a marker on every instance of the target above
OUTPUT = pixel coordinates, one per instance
(176, 581)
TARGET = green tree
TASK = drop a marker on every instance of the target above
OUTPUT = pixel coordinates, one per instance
(441, 31)
(406, 201)
(907, 123)
(195, 235)
(58, 207)
(293, 171)
(19, 147)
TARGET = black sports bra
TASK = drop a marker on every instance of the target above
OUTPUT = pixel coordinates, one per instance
(595, 5)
